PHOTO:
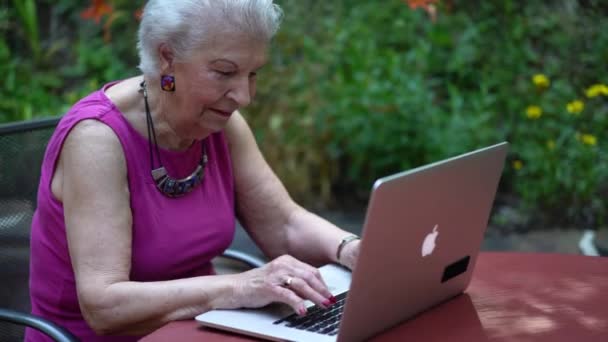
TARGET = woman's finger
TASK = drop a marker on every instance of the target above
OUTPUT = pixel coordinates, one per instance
(289, 297)
(314, 280)
(304, 279)
(304, 290)
(311, 275)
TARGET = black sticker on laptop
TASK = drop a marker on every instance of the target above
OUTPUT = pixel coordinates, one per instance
(455, 269)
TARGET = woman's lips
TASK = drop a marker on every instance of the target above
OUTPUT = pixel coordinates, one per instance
(221, 112)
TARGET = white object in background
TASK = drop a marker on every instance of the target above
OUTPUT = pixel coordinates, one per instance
(586, 243)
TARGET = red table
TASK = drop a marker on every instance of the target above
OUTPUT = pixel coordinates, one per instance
(512, 297)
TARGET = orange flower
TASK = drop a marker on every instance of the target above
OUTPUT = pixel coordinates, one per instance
(427, 5)
(419, 3)
(98, 9)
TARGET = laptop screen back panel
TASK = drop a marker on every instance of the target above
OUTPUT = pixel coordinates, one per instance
(393, 281)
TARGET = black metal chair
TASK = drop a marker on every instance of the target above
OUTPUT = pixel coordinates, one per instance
(22, 147)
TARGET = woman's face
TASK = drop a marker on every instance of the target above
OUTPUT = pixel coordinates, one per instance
(214, 83)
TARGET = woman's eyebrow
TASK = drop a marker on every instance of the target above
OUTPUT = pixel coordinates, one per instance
(223, 60)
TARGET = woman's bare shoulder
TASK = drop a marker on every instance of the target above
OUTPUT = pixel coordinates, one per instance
(237, 130)
(90, 136)
(90, 153)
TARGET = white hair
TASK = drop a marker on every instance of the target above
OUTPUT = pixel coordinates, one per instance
(186, 25)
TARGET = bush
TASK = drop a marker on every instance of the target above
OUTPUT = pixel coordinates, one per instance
(375, 89)
(49, 61)
(356, 90)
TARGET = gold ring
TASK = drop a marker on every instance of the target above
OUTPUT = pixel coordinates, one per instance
(287, 282)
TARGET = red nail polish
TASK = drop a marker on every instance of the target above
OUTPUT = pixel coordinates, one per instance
(327, 302)
(333, 299)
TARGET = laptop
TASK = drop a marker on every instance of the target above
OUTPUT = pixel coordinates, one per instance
(422, 233)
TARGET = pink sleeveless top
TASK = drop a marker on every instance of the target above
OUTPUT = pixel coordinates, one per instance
(172, 238)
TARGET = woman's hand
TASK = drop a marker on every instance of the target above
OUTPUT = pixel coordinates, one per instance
(286, 280)
(350, 254)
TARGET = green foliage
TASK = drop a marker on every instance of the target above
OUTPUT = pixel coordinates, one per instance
(560, 157)
(359, 89)
(26, 10)
(48, 74)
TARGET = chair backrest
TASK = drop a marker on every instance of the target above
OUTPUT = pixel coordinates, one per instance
(22, 147)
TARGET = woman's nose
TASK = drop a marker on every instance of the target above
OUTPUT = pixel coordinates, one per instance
(241, 93)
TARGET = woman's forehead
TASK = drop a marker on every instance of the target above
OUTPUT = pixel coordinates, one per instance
(241, 50)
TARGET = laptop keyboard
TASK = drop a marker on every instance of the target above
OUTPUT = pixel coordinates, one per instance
(317, 319)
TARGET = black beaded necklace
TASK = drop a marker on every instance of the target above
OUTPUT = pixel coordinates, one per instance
(167, 185)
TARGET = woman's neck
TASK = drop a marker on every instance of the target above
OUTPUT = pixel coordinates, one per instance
(166, 135)
(128, 98)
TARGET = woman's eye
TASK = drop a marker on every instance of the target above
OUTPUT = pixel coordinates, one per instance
(225, 73)
(253, 74)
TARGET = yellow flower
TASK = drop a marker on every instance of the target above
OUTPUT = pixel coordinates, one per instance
(517, 164)
(551, 144)
(589, 139)
(534, 112)
(575, 107)
(597, 90)
(541, 81)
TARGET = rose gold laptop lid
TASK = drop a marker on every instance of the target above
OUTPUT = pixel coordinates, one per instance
(422, 234)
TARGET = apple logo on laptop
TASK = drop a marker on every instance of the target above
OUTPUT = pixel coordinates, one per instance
(428, 246)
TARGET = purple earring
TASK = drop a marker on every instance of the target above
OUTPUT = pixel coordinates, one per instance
(167, 83)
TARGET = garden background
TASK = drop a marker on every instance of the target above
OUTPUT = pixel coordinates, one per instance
(355, 90)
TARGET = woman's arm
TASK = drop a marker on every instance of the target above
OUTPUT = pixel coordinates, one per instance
(91, 181)
(313, 230)
(276, 223)
(95, 196)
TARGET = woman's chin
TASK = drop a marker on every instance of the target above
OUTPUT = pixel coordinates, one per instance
(208, 129)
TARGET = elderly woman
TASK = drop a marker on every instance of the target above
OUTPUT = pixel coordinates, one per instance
(142, 180)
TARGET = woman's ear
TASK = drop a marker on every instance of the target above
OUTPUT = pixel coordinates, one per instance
(166, 58)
